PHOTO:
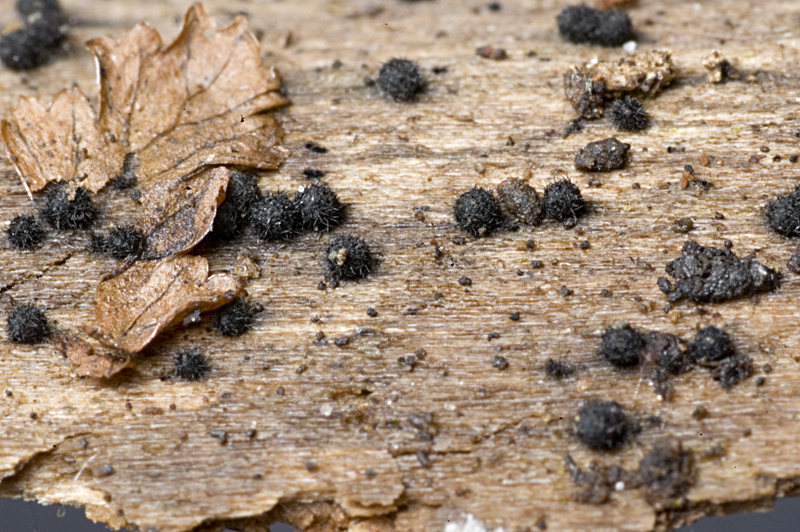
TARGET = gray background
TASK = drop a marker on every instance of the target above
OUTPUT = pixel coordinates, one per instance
(20, 516)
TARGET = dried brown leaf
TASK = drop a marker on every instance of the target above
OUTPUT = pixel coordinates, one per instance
(80, 353)
(150, 296)
(176, 109)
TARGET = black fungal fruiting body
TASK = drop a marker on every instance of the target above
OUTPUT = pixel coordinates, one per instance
(562, 201)
(319, 208)
(585, 25)
(478, 212)
(602, 156)
(621, 346)
(628, 114)
(190, 365)
(602, 425)
(68, 207)
(127, 176)
(519, 202)
(34, 43)
(665, 473)
(711, 345)
(348, 257)
(401, 79)
(713, 275)
(24, 232)
(234, 318)
(275, 218)
(783, 214)
(235, 212)
(121, 242)
(27, 325)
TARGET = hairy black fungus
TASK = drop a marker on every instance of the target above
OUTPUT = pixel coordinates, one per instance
(602, 156)
(622, 345)
(731, 371)
(235, 318)
(241, 196)
(585, 25)
(602, 425)
(276, 217)
(519, 202)
(711, 345)
(628, 114)
(319, 208)
(401, 79)
(665, 474)
(563, 202)
(190, 365)
(348, 257)
(25, 232)
(35, 42)
(120, 243)
(558, 369)
(127, 176)
(783, 214)
(671, 353)
(478, 212)
(27, 324)
(68, 207)
(713, 275)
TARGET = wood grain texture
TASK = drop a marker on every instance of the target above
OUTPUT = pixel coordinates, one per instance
(336, 449)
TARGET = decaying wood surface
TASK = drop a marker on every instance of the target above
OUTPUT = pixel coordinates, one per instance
(334, 447)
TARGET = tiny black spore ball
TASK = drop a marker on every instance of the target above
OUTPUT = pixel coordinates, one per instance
(275, 218)
(627, 114)
(711, 345)
(121, 243)
(783, 214)
(563, 202)
(585, 25)
(602, 425)
(319, 207)
(478, 212)
(27, 325)
(190, 365)
(621, 346)
(348, 257)
(234, 318)
(24, 232)
(35, 42)
(401, 79)
(68, 208)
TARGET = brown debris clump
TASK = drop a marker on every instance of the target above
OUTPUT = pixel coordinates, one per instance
(719, 68)
(80, 353)
(588, 87)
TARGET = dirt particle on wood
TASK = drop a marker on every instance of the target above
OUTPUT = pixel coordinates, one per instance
(719, 68)
(401, 79)
(585, 25)
(519, 202)
(499, 362)
(490, 52)
(602, 156)
(682, 225)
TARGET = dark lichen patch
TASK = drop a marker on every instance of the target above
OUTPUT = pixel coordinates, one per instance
(478, 212)
(622, 346)
(276, 217)
(120, 243)
(585, 25)
(190, 365)
(602, 425)
(665, 474)
(668, 351)
(27, 324)
(25, 232)
(602, 156)
(319, 208)
(713, 275)
(558, 369)
(37, 40)
(236, 317)
(628, 114)
(711, 345)
(519, 202)
(401, 79)
(68, 207)
(348, 257)
(783, 214)
(563, 202)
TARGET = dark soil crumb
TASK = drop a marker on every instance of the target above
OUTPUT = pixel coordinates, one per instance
(27, 324)
(235, 318)
(585, 25)
(220, 435)
(36, 41)
(276, 217)
(120, 243)
(793, 264)
(313, 147)
(494, 6)
(700, 412)
(519, 202)
(514, 316)
(348, 257)
(565, 292)
(401, 79)
(68, 207)
(439, 70)
(537, 264)
(25, 232)
(478, 212)
(235, 213)
(490, 52)
(622, 346)
(720, 69)
(733, 370)
(682, 225)
(602, 425)
(665, 474)
(371, 312)
(320, 209)
(712, 345)
(627, 114)
(465, 281)
(671, 353)
(499, 362)
(563, 202)
(713, 275)
(783, 214)
(558, 369)
(760, 381)
(602, 156)
(313, 174)
(594, 486)
(190, 365)
(576, 126)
